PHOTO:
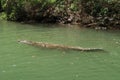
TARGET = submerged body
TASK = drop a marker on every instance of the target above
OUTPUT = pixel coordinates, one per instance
(58, 46)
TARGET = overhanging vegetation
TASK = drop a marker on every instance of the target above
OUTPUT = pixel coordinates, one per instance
(105, 13)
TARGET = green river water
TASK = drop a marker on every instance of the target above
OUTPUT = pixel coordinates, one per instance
(24, 62)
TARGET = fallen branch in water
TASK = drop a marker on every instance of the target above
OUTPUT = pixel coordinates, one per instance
(58, 46)
(91, 24)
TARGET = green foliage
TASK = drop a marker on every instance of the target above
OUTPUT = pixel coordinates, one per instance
(19, 10)
(12, 10)
(3, 16)
(105, 12)
(101, 7)
(60, 10)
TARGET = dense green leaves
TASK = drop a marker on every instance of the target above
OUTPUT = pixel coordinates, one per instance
(65, 11)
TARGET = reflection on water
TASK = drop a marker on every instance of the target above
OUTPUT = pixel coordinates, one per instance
(24, 62)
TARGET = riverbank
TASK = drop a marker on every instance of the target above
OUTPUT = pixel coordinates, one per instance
(98, 14)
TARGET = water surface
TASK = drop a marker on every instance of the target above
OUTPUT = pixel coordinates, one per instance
(25, 62)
